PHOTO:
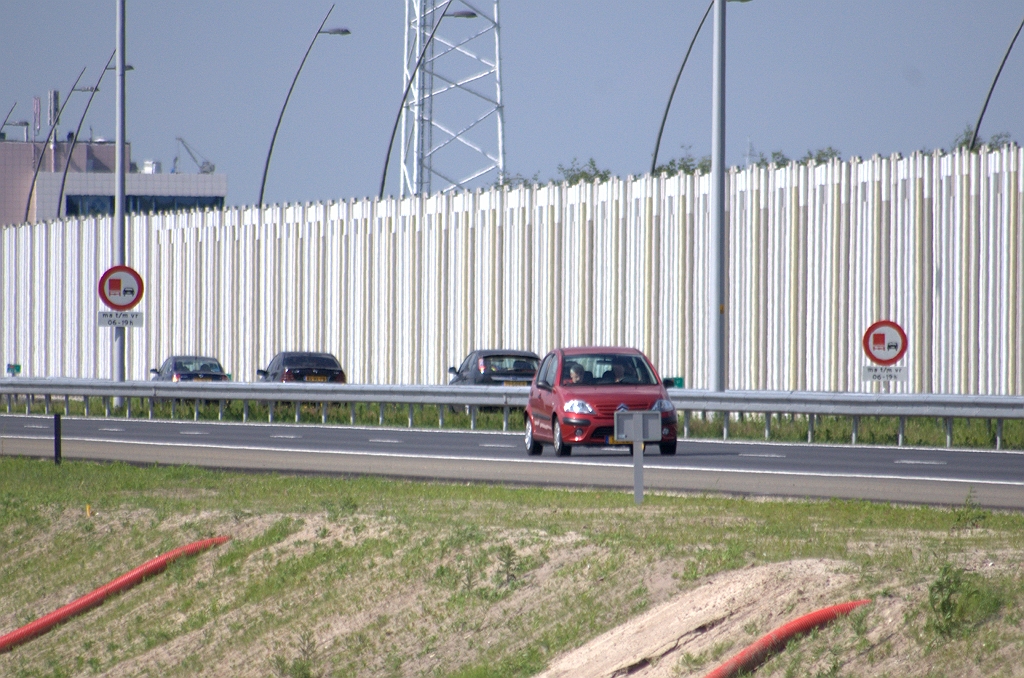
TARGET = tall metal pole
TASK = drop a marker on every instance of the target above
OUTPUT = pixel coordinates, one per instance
(117, 237)
(716, 305)
(977, 126)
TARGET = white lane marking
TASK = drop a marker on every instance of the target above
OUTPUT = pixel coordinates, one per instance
(37, 426)
(111, 429)
(194, 433)
(921, 463)
(659, 467)
(503, 447)
(384, 440)
(286, 436)
(768, 456)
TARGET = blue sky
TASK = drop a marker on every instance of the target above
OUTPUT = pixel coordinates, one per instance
(582, 79)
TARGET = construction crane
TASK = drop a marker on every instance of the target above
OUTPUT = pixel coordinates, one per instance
(204, 165)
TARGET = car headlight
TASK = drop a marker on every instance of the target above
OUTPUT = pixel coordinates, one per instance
(662, 405)
(578, 407)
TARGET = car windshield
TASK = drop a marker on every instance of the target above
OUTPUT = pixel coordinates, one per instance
(606, 369)
(312, 362)
(198, 364)
(509, 363)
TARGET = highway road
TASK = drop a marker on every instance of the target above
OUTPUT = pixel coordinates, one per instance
(904, 475)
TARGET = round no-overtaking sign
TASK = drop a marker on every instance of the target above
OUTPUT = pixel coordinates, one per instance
(885, 343)
(121, 288)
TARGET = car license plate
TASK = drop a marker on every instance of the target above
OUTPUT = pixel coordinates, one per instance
(517, 383)
(612, 440)
(202, 379)
(316, 378)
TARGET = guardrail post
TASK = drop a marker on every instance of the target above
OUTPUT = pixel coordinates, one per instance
(504, 421)
(767, 425)
(810, 427)
(174, 408)
(410, 415)
(352, 414)
(999, 434)
(46, 405)
(128, 407)
(220, 410)
(195, 410)
(86, 399)
(949, 431)
(725, 425)
(8, 403)
(56, 439)
(106, 406)
(380, 414)
(323, 412)
(28, 404)
(472, 417)
(903, 428)
(245, 411)
(856, 425)
(67, 404)
(270, 411)
(297, 404)
(440, 415)
(686, 423)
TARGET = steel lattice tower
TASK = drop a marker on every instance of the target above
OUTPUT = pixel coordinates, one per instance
(453, 120)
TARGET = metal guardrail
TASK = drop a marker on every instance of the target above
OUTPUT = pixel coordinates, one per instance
(811, 404)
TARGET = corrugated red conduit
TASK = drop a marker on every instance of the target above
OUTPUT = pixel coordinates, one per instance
(752, 656)
(91, 600)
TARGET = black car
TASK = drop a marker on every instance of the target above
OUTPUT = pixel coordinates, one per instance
(303, 366)
(190, 368)
(496, 367)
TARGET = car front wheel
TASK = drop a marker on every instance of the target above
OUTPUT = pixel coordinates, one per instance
(668, 447)
(561, 449)
(533, 447)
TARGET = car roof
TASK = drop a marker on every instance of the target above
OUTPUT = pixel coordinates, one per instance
(193, 357)
(292, 354)
(498, 351)
(586, 350)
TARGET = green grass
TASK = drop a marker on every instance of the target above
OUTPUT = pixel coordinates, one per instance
(373, 577)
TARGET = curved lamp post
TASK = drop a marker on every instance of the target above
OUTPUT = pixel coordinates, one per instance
(664, 117)
(32, 188)
(74, 141)
(8, 115)
(461, 14)
(974, 138)
(319, 31)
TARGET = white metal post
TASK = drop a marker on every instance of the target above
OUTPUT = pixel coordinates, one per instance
(118, 237)
(716, 305)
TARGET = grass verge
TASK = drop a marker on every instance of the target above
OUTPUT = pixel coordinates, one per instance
(370, 577)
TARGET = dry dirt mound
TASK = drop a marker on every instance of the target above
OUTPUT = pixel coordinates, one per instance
(726, 608)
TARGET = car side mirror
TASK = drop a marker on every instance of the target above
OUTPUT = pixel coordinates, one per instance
(452, 370)
(261, 373)
(154, 371)
(668, 383)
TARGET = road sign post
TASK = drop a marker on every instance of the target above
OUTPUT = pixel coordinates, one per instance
(638, 427)
(121, 290)
(885, 344)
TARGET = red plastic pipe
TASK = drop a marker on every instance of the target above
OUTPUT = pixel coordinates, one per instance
(91, 600)
(753, 655)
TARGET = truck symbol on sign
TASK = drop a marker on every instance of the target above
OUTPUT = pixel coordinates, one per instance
(878, 341)
(114, 286)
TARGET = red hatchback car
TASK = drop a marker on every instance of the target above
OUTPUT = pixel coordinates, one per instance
(574, 396)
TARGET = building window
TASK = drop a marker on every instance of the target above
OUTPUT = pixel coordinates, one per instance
(97, 205)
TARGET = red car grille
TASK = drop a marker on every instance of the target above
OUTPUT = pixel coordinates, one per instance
(608, 410)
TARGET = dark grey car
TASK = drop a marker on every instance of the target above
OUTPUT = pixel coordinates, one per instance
(189, 368)
(303, 366)
(496, 367)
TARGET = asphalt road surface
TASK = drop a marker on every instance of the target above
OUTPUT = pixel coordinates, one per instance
(904, 475)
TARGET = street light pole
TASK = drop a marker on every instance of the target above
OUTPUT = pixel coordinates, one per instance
(270, 151)
(717, 236)
(118, 235)
(977, 126)
(78, 130)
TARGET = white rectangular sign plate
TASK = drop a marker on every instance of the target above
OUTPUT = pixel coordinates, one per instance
(637, 426)
(120, 319)
(881, 373)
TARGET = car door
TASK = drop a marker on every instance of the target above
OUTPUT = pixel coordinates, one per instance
(542, 396)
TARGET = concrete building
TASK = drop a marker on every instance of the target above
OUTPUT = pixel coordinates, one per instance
(89, 187)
